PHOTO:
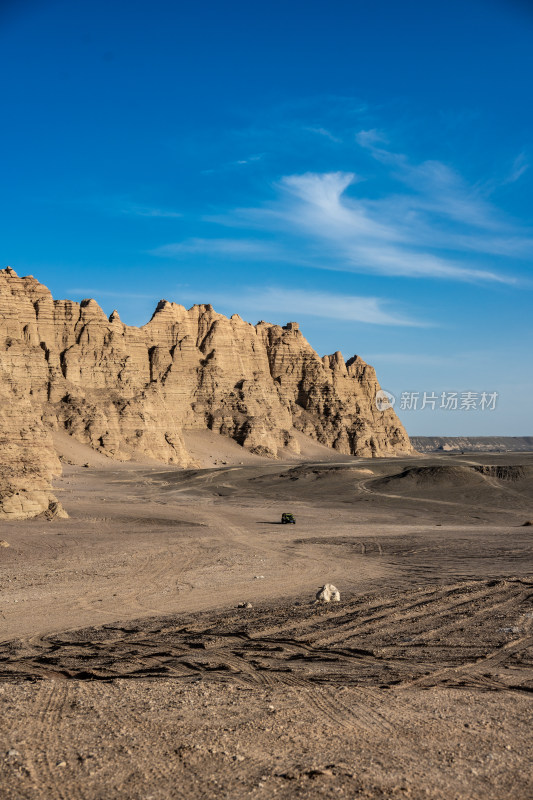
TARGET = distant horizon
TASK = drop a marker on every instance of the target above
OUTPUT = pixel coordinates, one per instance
(466, 436)
(363, 170)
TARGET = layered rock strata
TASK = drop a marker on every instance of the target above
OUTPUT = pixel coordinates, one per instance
(130, 392)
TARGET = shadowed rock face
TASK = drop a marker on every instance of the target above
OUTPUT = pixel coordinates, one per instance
(130, 392)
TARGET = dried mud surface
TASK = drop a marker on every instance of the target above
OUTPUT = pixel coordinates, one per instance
(127, 671)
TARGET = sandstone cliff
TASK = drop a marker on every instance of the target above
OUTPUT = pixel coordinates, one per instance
(130, 392)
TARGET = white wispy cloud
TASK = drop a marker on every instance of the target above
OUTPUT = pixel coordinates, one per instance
(393, 236)
(147, 211)
(323, 132)
(260, 301)
(237, 248)
(520, 165)
(231, 165)
(122, 205)
(439, 191)
(249, 159)
(301, 303)
(393, 215)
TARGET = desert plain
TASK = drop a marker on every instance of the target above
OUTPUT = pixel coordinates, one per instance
(130, 666)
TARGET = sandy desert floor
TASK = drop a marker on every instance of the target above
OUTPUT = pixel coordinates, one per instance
(128, 671)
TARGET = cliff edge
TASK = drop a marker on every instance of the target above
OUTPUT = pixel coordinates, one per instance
(130, 392)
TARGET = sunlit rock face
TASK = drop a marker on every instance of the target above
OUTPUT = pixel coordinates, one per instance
(130, 392)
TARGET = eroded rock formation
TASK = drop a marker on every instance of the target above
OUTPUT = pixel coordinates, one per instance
(130, 392)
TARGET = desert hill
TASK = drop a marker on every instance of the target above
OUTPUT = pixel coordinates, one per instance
(131, 393)
(472, 444)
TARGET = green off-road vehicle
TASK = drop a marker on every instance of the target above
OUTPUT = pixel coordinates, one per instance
(287, 519)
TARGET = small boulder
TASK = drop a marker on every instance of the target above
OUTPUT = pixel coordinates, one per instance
(3, 543)
(327, 594)
(54, 511)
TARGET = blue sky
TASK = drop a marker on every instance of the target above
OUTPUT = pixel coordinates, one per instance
(363, 168)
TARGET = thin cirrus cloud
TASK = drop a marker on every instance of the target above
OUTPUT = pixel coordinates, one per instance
(425, 222)
(437, 188)
(323, 132)
(430, 223)
(439, 193)
(85, 292)
(237, 248)
(384, 236)
(276, 300)
(147, 211)
(231, 165)
(520, 166)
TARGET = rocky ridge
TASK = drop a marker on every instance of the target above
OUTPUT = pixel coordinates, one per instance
(130, 392)
(473, 444)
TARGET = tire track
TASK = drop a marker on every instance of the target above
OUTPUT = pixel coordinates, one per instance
(376, 607)
(363, 487)
(413, 612)
(494, 658)
(50, 703)
(401, 639)
(336, 713)
(472, 615)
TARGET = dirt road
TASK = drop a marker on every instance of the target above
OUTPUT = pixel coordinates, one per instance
(126, 669)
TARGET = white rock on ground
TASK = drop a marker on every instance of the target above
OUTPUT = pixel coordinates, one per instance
(328, 593)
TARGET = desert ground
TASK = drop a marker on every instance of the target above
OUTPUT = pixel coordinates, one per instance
(130, 666)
